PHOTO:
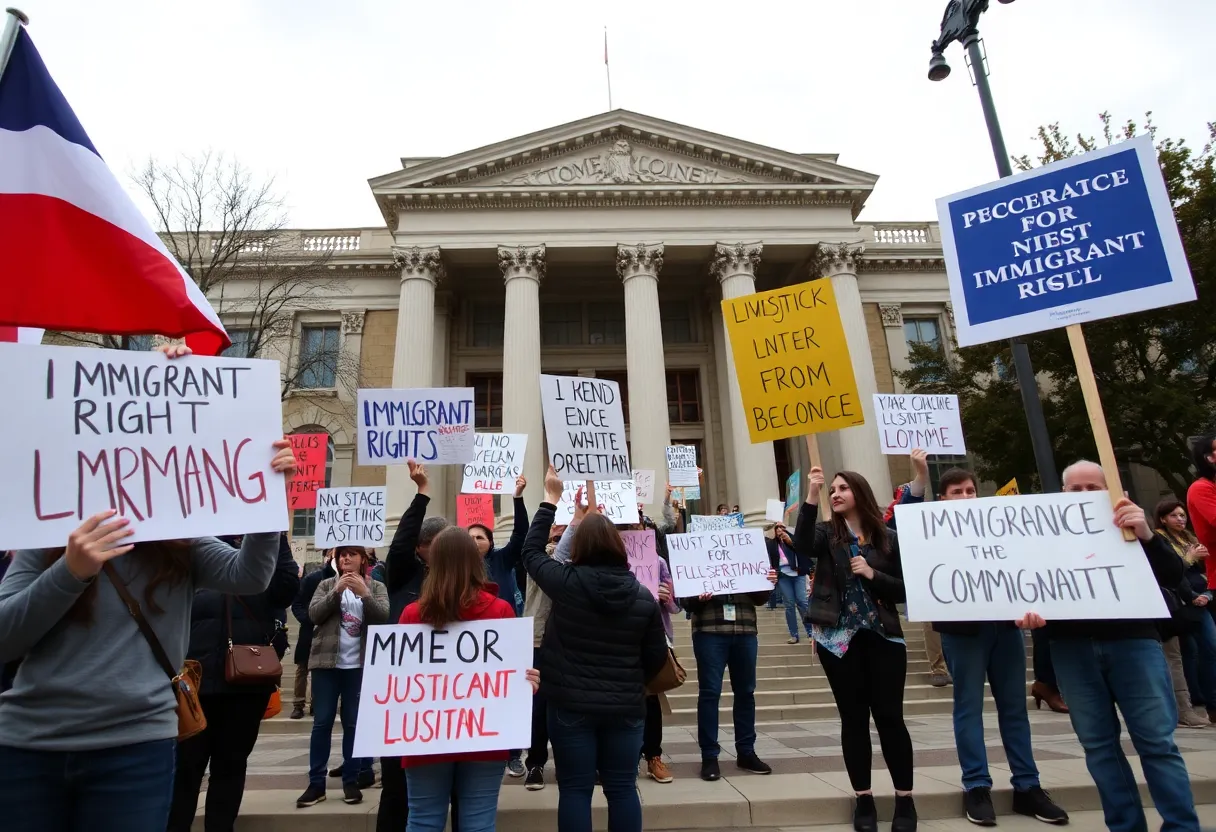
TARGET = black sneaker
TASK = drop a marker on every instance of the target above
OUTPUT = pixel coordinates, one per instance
(904, 819)
(336, 771)
(752, 763)
(865, 814)
(515, 767)
(1037, 804)
(297, 713)
(351, 795)
(977, 805)
(710, 770)
(311, 797)
(366, 779)
(535, 781)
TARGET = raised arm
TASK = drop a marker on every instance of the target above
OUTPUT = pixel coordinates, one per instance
(511, 552)
(245, 571)
(810, 538)
(669, 516)
(401, 563)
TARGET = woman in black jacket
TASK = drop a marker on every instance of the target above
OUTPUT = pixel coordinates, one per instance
(234, 712)
(603, 642)
(858, 580)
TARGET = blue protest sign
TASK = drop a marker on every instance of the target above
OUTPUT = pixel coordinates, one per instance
(793, 489)
(1082, 239)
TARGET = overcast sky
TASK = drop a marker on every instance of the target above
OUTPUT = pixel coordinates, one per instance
(324, 95)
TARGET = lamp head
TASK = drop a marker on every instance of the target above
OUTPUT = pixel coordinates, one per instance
(1004, 2)
(939, 70)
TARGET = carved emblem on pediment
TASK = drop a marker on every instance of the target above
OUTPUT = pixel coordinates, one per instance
(622, 164)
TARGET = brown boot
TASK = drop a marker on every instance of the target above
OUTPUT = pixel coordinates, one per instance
(1187, 716)
(1043, 693)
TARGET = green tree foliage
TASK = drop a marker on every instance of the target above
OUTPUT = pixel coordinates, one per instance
(1156, 370)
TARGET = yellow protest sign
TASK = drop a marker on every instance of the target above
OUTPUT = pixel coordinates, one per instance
(792, 362)
(1008, 489)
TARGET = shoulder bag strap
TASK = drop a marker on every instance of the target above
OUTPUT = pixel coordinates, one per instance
(162, 658)
(249, 612)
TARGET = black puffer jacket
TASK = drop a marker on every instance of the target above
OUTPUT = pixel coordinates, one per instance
(299, 608)
(403, 569)
(604, 639)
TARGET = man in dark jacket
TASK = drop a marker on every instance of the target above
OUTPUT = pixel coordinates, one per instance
(299, 608)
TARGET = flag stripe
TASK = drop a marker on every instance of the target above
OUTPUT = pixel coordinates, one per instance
(29, 96)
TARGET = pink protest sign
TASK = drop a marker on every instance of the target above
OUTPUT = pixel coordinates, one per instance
(643, 558)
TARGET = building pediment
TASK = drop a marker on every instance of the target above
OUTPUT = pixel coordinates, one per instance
(621, 162)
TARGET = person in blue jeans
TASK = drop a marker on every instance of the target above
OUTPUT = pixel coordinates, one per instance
(791, 582)
(1102, 665)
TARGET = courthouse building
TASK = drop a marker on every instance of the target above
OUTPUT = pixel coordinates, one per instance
(604, 248)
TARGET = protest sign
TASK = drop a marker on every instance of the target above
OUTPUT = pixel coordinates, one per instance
(643, 483)
(181, 447)
(1008, 489)
(311, 450)
(617, 500)
(430, 425)
(585, 427)
(917, 420)
(687, 492)
(643, 558)
(498, 458)
(997, 558)
(774, 512)
(457, 690)
(718, 562)
(682, 465)
(792, 362)
(1089, 237)
(475, 508)
(714, 522)
(350, 517)
(793, 489)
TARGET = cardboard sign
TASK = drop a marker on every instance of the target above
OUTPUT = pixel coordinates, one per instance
(719, 562)
(1008, 489)
(460, 689)
(682, 465)
(686, 493)
(774, 512)
(792, 361)
(311, 450)
(997, 558)
(643, 558)
(917, 420)
(715, 522)
(1089, 237)
(585, 427)
(182, 447)
(475, 508)
(430, 425)
(617, 499)
(350, 517)
(643, 483)
(498, 458)
(793, 489)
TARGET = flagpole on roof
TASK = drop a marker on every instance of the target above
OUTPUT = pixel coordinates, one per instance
(14, 19)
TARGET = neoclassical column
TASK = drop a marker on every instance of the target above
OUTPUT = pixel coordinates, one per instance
(649, 428)
(859, 448)
(755, 465)
(413, 354)
(523, 269)
(892, 317)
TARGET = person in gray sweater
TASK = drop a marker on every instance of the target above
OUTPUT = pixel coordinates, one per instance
(89, 729)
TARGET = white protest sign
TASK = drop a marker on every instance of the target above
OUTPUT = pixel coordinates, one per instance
(774, 511)
(498, 458)
(643, 482)
(997, 558)
(918, 420)
(181, 447)
(715, 522)
(585, 427)
(682, 465)
(350, 517)
(456, 690)
(431, 425)
(617, 498)
(719, 562)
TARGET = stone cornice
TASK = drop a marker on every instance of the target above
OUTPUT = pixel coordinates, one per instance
(415, 261)
(639, 259)
(880, 263)
(609, 197)
(522, 261)
(735, 258)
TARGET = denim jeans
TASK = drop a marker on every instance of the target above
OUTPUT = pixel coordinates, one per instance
(997, 653)
(124, 789)
(431, 788)
(328, 686)
(1094, 677)
(715, 653)
(792, 589)
(1199, 662)
(583, 743)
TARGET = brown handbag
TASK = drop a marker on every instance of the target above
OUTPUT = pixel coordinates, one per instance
(249, 664)
(670, 677)
(190, 717)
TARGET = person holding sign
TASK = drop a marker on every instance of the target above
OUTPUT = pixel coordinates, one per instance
(791, 581)
(604, 642)
(91, 688)
(858, 579)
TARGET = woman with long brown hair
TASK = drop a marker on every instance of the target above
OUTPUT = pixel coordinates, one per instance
(858, 579)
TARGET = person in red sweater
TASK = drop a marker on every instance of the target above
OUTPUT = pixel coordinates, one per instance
(456, 589)
(1201, 499)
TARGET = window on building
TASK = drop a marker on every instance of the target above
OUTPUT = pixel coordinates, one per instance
(683, 396)
(676, 320)
(606, 323)
(923, 331)
(304, 520)
(487, 399)
(139, 343)
(242, 344)
(622, 379)
(561, 323)
(318, 368)
(486, 324)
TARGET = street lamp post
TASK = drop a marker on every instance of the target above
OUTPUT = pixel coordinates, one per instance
(961, 23)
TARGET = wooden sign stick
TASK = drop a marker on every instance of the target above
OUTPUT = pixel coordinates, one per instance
(1097, 418)
(812, 448)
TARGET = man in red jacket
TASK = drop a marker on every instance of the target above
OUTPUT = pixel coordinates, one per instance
(1201, 498)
